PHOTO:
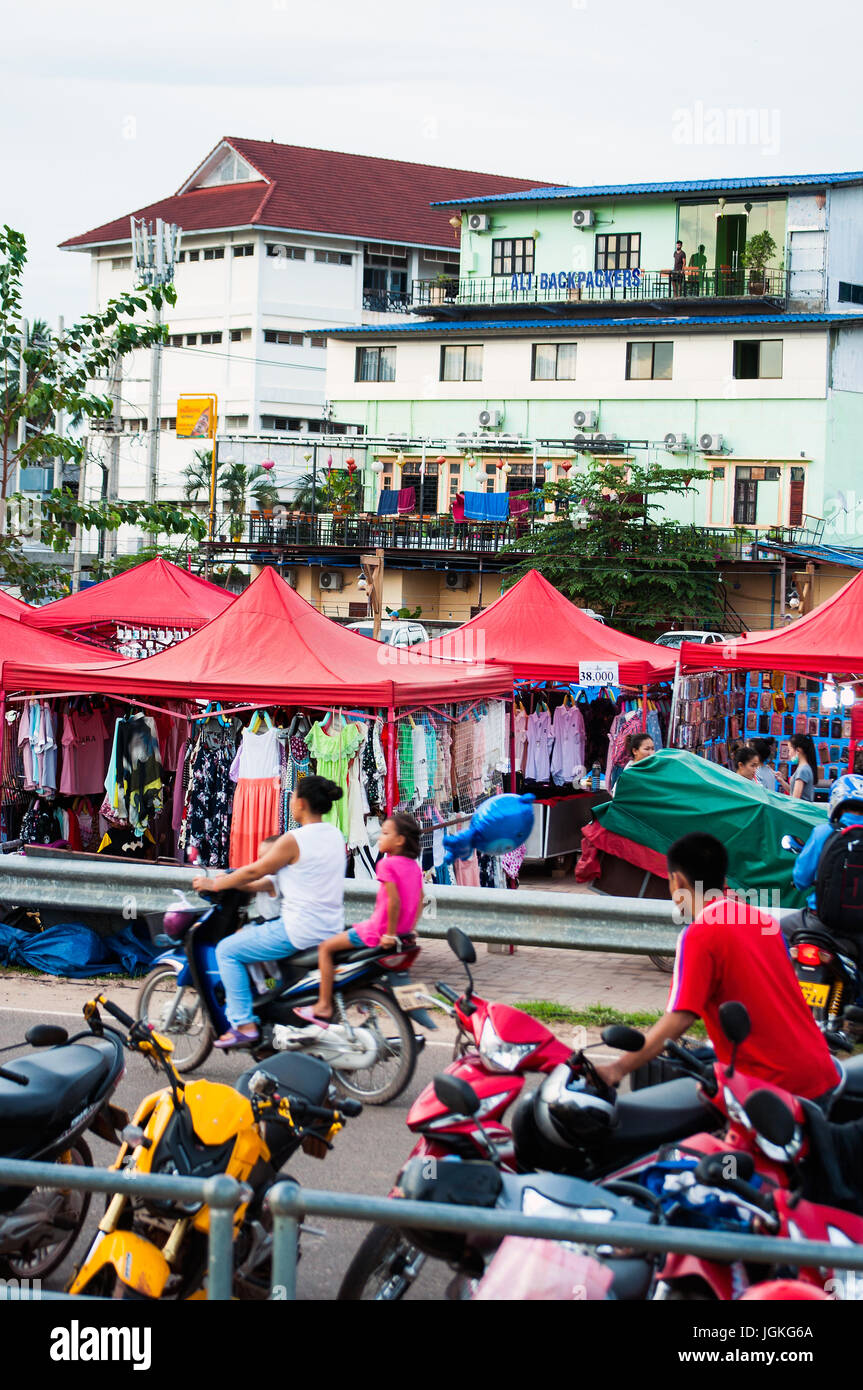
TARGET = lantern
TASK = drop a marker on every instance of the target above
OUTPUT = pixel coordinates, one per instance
(351, 467)
(501, 463)
(441, 458)
(351, 460)
(268, 464)
(507, 468)
(377, 466)
(329, 460)
(687, 479)
(566, 466)
(548, 465)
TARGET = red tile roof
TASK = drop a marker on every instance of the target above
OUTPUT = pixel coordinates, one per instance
(322, 191)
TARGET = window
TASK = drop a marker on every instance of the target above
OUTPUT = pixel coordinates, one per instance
(280, 422)
(376, 364)
(272, 335)
(553, 362)
(848, 294)
(236, 422)
(461, 363)
(618, 251)
(247, 249)
(649, 361)
(189, 256)
(316, 341)
(240, 335)
(214, 253)
(512, 256)
(334, 258)
(176, 340)
(191, 339)
(717, 474)
(286, 253)
(121, 263)
(211, 337)
(795, 497)
(758, 358)
(168, 422)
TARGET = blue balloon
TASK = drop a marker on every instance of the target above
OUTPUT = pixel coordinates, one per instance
(500, 824)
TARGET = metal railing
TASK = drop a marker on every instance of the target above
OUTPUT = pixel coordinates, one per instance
(290, 1203)
(603, 288)
(580, 921)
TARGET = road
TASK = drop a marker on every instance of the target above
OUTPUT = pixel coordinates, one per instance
(366, 1157)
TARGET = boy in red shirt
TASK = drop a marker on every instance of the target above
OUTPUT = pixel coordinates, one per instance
(732, 951)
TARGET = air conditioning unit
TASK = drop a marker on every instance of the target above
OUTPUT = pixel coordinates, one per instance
(591, 442)
(676, 443)
(290, 577)
(711, 443)
(490, 419)
(585, 419)
(479, 222)
(582, 217)
(456, 581)
(331, 580)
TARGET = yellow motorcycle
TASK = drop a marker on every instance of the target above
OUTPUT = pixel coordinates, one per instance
(148, 1248)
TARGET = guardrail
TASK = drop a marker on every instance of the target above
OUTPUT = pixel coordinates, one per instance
(290, 1203)
(582, 921)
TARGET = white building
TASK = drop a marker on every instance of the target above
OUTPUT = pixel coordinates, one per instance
(279, 245)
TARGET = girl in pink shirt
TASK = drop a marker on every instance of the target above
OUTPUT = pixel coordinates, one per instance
(396, 911)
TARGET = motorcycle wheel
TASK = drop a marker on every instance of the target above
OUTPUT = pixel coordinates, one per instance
(190, 1032)
(388, 1075)
(662, 961)
(70, 1215)
(383, 1269)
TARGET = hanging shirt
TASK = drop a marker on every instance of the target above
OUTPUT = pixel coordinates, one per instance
(567, 758)
(85, 753)
(420, 760)
(520, 738)
(537, 766)
(258, 754)
(333, 754)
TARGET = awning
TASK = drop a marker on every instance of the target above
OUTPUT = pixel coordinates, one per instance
(155, 594)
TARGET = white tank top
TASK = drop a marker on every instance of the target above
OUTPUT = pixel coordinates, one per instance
(312, 890)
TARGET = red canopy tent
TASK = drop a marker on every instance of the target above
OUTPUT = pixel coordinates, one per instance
(13, 607)
(543, 636)
(272, 647)
(44, 652)
(829, 639)
(155, 594)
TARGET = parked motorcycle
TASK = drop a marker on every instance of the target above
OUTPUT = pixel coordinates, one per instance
(371, 1046)
(150, 1248)
(828, 970)
(48, 1100)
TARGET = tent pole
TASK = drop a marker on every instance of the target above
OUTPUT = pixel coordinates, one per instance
(672, 718)
(512, 785)
(644, 709)
(391, 760)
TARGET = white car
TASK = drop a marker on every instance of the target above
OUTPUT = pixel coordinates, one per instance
(676, 639)
(394, 633)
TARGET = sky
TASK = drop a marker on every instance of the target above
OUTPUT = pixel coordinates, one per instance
(106, 107)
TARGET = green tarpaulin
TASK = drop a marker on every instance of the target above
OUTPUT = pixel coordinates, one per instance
(673, 793)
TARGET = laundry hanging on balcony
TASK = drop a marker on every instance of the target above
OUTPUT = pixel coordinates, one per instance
(388, 502)
(486, 506)
(407, 501)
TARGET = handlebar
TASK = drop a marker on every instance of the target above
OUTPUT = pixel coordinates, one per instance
(116, 1012)
(702, 1071)
(14, 1076)
(711, 1174)
(451, 995)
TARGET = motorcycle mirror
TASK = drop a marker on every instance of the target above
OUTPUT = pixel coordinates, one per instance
(734, 1020)
(791, 843)
(461, 945)
(46, 1035)
(458, 1097)
(771, 1117)
(625, 1038)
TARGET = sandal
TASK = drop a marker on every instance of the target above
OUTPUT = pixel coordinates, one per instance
(307, 1013)
(237, 1039)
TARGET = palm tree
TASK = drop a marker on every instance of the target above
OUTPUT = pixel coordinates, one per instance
(234, 481)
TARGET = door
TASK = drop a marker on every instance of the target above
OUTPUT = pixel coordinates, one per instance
(745, 502)
(806, 265)
(730, 241)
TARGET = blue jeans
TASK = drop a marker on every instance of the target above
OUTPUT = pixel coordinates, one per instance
(269, 941)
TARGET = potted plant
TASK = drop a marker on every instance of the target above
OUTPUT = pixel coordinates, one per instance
(758, 251)
(439, 288)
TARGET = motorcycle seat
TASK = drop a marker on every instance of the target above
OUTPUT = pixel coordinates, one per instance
(308, 960)
(820, 936)
(671, 1110)
(61, 1079)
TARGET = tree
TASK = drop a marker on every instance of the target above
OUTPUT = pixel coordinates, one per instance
(606, 550)
(237, 484)
(60, 369)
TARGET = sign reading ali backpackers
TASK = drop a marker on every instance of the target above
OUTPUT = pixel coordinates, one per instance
(196, 417)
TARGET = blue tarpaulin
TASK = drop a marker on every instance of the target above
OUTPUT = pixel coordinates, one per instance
(74, 950)
(486, 506)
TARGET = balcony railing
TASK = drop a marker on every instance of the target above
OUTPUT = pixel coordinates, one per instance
(388, 301)
(603, 287)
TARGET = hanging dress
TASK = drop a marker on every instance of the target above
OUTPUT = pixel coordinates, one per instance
(256, 797)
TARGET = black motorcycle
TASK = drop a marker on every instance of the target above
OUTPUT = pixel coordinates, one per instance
(48, 1099)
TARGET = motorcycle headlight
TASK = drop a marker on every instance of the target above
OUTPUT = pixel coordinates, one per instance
(500, 1055)
(735, 1109)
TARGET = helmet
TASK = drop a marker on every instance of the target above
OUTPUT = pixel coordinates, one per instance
(570, 1110)
(847, 793)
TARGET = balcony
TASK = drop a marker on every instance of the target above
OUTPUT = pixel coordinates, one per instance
(611, 291)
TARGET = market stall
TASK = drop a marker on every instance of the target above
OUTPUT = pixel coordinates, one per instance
(289, 692)
(13, 607)
(796, 680)
(580, 688)
(138, 612)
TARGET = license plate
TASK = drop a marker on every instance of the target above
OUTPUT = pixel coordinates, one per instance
(408, 996)
(815, 995)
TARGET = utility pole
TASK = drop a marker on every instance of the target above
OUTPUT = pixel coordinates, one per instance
(373, 571)
(59, 427)
(79, 529)
(154, 248)
(23, 343)
(113, 474)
